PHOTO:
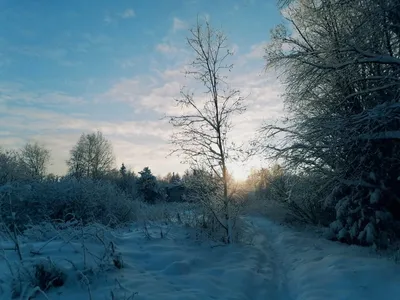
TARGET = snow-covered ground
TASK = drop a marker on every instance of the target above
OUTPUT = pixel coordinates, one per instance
(312, 268)
(280, 263)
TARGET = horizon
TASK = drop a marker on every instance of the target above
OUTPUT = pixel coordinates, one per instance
(69, 69)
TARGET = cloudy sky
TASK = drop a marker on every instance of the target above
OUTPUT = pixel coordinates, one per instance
(68, 67)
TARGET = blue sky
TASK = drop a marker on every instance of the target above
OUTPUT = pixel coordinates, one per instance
(68, 67)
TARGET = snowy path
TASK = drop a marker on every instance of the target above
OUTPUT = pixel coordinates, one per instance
(316, 269)
(269, 277)
(281, 264)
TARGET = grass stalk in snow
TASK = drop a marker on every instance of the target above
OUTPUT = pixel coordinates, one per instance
(12, 234)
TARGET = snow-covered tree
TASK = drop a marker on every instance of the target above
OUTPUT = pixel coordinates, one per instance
(11, 168)
(128, 181)
(92, 156)
(35, 158)
(340, 62)
(122, 170)
(175, 178)
(148, 186)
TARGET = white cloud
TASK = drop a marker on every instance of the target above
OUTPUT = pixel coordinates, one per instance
(137, 157)
(137, 143)
(175, 74)
(166, 48)
(143, 142)
(151, 94)
(128, 13)
(159, 93)
(112, 18)
(263, 93)
(15, 93)
(161, 99)
(126, 90)
(257, 51)
(263, 99)
(178, 24)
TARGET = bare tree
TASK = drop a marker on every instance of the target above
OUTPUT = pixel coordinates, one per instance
(203, 126)
(35, 158)
(91, 157)
(11, 168)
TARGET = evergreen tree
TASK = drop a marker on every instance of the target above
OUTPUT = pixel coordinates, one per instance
(122, 170)
(148, 186)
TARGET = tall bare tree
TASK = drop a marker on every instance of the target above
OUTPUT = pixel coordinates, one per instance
(202, 128)
(35, 158)
(92, 156)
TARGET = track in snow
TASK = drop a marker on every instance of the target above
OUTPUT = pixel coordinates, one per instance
(269, 280)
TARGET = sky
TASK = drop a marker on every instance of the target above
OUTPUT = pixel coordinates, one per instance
(73, 67)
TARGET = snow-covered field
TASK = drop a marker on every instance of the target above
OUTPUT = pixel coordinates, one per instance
(280, 263)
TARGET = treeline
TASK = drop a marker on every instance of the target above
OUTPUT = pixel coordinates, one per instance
(92, 158)
(93, 190)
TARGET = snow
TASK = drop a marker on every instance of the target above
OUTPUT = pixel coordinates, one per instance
(375, 196)
(316, 268)
(279, 263)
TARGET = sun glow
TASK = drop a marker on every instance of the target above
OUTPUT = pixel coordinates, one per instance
(240, 172)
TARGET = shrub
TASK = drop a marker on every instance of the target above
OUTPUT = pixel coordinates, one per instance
(302, 196)
(213, 215)
(39, 276)
(86, 200)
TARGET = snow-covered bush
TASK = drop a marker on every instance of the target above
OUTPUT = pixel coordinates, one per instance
(300, 197)
(35, 277)
(123, 179)
(86, 200)
(162, 211)
(11, 167)
(363, 216)
(212, 213)
(76, 253)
